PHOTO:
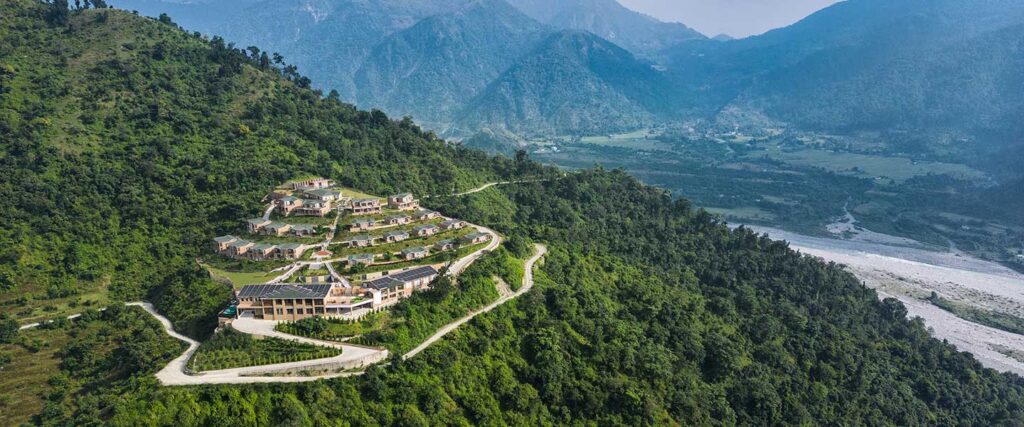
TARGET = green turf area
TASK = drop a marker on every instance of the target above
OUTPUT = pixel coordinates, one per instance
(743, 213)
(356, 194)
(24, 380)
(898, 169)
(25, 310)
(231, 349)
(643, 139)
(336, 329)
(238, 279)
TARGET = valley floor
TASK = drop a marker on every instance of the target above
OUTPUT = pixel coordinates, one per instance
(912, 274)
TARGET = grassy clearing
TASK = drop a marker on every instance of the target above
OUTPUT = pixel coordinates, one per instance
(24, 380)
(351, 192)
(336, 329)
(238, 279)
(898, 169)
(24, 307)
(746, 212)
(231, 349)
(640, 140)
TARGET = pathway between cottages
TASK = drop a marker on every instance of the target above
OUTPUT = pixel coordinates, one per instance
(539, 252)
(175, 374)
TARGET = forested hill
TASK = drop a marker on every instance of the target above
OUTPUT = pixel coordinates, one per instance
(132, 142)
(129, 143)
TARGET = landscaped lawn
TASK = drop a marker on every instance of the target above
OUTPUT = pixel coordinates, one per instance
(240, 278)
(351, 192)
(232, 349)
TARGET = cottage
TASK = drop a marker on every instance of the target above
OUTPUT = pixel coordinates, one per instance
(390, 288)
(290, 250)
(312, 207)
(415, 253)
(423, 215)
(362, 224)
(322, 194)
(287, 204)
(261, 251)
(360, 241)
(452, 224)
(256, 224)
(404, 201)
(303, 230)
(364, 259)
(365, 206)
(444, 245)
(276, 228)
(395, 236)
(220, 244)
(239, 247)
(312, 184)
(425, 230)
(398, 219)
(477, 237)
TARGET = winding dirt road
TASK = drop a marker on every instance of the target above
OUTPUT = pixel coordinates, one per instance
(539, 252)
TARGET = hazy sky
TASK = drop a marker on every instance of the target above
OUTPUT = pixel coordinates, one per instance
(737, 18)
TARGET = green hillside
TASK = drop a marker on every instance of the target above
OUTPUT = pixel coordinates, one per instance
(134, 142)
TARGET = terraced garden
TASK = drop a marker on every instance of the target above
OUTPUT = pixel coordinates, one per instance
(230, 349)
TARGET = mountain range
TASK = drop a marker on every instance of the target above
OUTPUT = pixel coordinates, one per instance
(560, 67)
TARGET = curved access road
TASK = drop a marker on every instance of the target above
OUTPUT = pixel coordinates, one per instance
(352, 357)
(539, 251)
(492, 184)
(461, 264)
(175, 373)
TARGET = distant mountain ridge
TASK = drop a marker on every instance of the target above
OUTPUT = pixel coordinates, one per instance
(946, 69)
(636, 32)
(452, 65)
(574, 81)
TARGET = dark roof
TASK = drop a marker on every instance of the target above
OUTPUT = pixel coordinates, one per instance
(383, 283)
(397, 279)
(416, 273)
(284, 291)
(414, 250)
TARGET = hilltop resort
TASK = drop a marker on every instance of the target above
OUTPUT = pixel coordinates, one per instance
(336, 252)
